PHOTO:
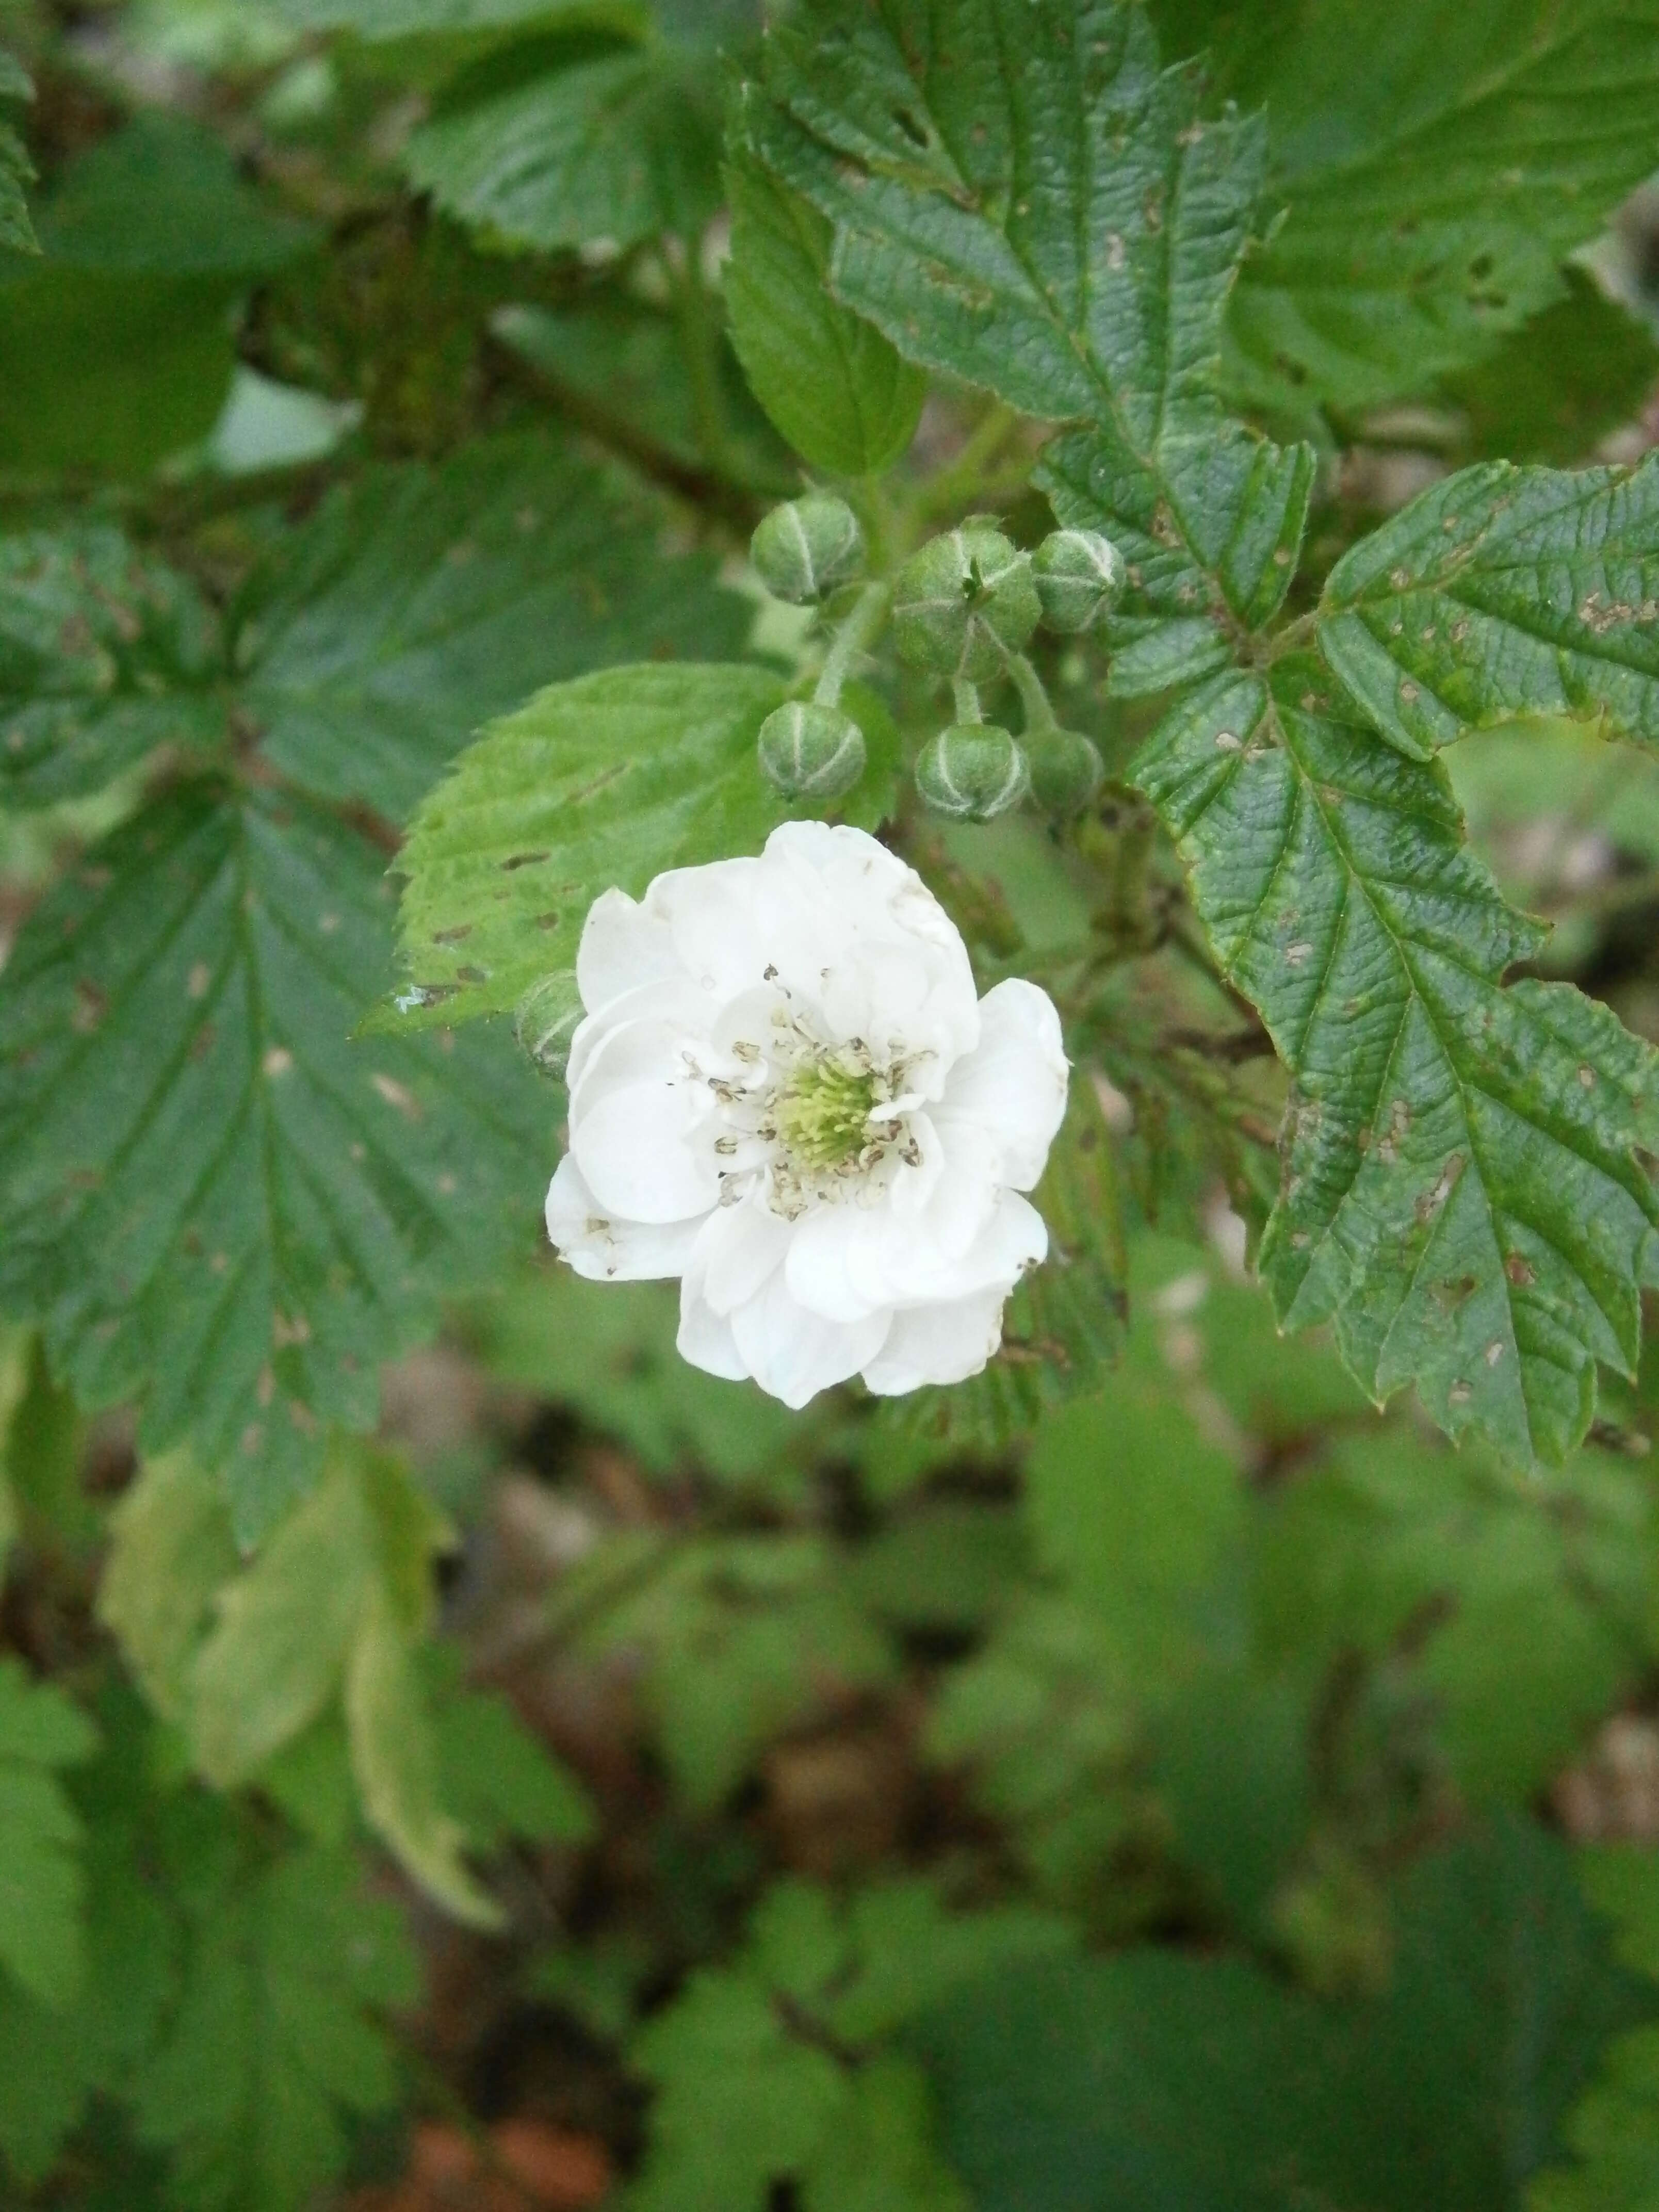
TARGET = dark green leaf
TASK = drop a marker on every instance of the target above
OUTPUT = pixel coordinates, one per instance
(214, 1202)
(1553, 389)
(105, 653)
(606, 780)
(829, 381)
(1438, 164)
(1159, 2083)
(1083, 284)
(417, 603)
(1461, 1194)
(608, 152)
(40, 1834)
(17, 170)
(1504, 591)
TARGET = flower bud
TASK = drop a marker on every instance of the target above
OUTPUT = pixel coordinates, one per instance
(972, 772)
(963, 603)
(808, 751)
(1079, 576)
(803, 550)
(1067, 770)
(548, 1017)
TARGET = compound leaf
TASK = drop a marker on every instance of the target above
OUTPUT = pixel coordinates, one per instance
(832, 384)
(1504, 592)
(418, 602)
(1461, 1194)
(214, 1202)
(1023, 199)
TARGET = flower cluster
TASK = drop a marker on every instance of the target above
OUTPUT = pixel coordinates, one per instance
(787, 1093)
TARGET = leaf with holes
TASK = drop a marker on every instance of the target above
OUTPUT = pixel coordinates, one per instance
(1438, 165)
(1461, 1189)
(106, 653)
(1023, 199)
(829, 379)
(214, 1202)
(419, 601)
(611, 152)
(1504, 592)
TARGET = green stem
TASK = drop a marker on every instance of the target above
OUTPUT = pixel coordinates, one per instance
(1033, 697)
(966, 696)
(856, 635)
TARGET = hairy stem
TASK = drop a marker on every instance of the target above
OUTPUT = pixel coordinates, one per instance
(855, 636)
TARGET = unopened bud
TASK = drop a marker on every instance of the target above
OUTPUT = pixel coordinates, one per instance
(1067, 770)
(808, 751)
(1079, 576)
(803, 550)
(963, 603)
(972, 772)
(549, 1016)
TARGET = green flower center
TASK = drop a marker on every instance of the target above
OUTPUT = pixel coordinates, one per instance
(821, 1118)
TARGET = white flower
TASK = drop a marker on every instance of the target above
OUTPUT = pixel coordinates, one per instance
(785, 1092)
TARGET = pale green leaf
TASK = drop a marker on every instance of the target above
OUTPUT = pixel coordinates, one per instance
(106, 653)
(831, 381)
(882, 2154)
(409, 19)
(610, 152)
(41, 1884)
(1504, 592)
(1612, 2135)
(1438, 165)
(199, 974)
(1461, 1191)
(417, 603)
(1022, 199)
(171, 1551)
(394, 1758)
(606, 780)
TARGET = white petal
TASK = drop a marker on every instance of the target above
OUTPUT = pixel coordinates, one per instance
(623, 945)
(944, 1343)
(605, 1249)
(673, 1002)
(793, 1354)
(1013, 1083)
(740, 1248)
(711, 915)
(705, 1338)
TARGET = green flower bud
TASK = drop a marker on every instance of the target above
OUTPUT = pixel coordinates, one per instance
(808, 751)
(1079, 576)
(963, 603)
(803, 550)
(972, 772)
(547, 1020)
(1067, 770)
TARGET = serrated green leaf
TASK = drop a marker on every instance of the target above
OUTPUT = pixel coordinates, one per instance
(609, 780)
(1159, 2078)
(1438, 165)
(273, 2039)
(1021, 198)
(394, 1759)
(773, 2070)
(1504, 592)
(106, 653)
(42, 1886)
(198, 976)
(499, 1780)
(612, 151)
(1461, 1194)
(831, 381)
(417, 603)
